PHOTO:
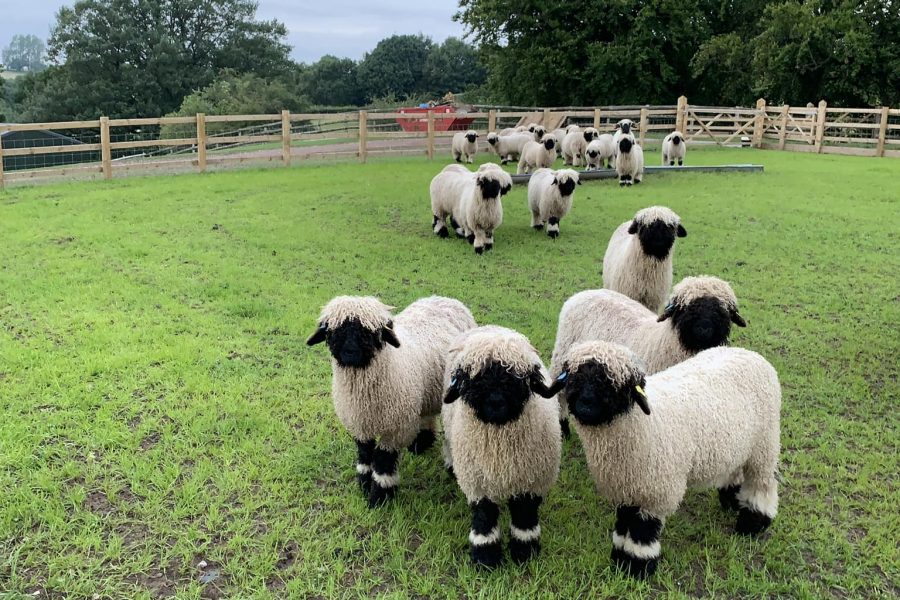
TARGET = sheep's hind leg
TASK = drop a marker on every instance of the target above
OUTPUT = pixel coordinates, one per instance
(758, 501)
(439, 226)
(728, 493)
(425, 439)
(524, 528)
(384, 478)
(640, 548)
(484, 537)
(365, 452)
(536, 220)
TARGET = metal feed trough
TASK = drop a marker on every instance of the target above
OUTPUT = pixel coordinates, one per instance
(611, 173)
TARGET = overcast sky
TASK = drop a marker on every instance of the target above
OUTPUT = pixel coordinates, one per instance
(341, 27)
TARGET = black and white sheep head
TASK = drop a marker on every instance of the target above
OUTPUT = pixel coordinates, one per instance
(356, 329)
(492, 170)
(601, 381)
(492, 138)
(702, 310)
(676, 138)
(590, 134)
(495, 371)
(489, 184)
(471, 136)
(539, 132)
(625, 125)
(657, 227)
(549, 141)
(566, 180)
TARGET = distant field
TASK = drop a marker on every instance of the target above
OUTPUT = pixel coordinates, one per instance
(160, 407)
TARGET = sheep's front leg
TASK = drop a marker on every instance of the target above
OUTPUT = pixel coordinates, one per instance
(484, 537)
(640, 548)
(385, 477)
(553, 227)
(489, 240)
(524, 528)
(624, 515)
(425, 438)
(479, 240)
(365, 452)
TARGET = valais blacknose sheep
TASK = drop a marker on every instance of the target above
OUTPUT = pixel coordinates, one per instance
(480, 206)
(387, 378)
(710, 421)
(629, 161)
(508, 147)
(538, 155)
(550, 197)
(674, 148)
(465, 146)
(601, 151)
(501, 437)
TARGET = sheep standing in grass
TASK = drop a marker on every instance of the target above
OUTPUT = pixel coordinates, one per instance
(550, 197)
(623, 128)
(629, 161)
(465, 145)
(599, 151)
(508, 147)
(638, 259)
(538, 131)
(575, 144)
(480, 206)
(537, 155)
(711, 421)
(501, 438)
(698, 317)
(447, 189)
(674, 148)
(388, 398)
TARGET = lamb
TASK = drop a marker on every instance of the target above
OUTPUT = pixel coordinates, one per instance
(575, 144)
(638, 259)
(600, 150)
(502, 440)
(537, 155)
(508, 147)
(464, 144)
(711, 421)
(447, 189)
(388, 398)
(629, 161)
(698, 317)
(537, 130)
(674, 148)
(480, 206)
(550, 197)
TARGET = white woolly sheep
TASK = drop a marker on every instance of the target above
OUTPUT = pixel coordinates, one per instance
(388, 398)
(480, 206)
(698, 316)
(537, 155)
(514, 130)
(508, 147)
(711, 421)
(623, 127)
(447, 189)
(550, 197)
(674, 147)
(501, 437)
(638, 259)
(629, 161)
(465, 145)
(537, 130)
(599, 151)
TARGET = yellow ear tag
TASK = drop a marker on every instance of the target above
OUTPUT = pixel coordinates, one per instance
(640, 391)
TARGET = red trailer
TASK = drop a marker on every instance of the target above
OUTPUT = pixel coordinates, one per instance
(445, 119)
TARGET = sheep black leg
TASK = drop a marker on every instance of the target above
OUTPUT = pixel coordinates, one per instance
(439, 227)
(484, 536)
(680, 162)
(385, 477)
(488, 241)
(641, 548)
(622, 181)
(553, 227)
(624, 515)
(365, 452)
(671, 163)
(456, 228)
(564, 428)
(424, 440)
(524, 528)
(728, 497)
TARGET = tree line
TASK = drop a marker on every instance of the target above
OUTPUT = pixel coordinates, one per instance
(125, 59)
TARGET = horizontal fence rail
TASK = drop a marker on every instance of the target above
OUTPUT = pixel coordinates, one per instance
(106, 147)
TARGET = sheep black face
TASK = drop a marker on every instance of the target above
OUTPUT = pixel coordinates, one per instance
(594, 398)
(492, 139)
(590, 136)
(625, 145)
(657, 237)
(353, 345)
(702, 323)
(676, 139)
(549, 144)
(471, 136)
(625, 127)
(497, 395)
(490, 188)
(539, 133)
(566, 187)
(592, 153)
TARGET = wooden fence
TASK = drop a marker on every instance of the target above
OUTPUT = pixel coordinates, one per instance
(147, 144)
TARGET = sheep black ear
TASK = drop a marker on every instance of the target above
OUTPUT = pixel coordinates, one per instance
(455, 389)
(541, 389)
(553, 182)
(640, 397)
(682, 232)
(388, 335)
(633, 228)
(578, 182)
(667, 312)
(317, 337)
(737, 319)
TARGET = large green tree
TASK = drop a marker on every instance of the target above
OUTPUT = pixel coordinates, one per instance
(24, 53)
(333, 81)
(126, 58)
(395, 67)
(452, 67)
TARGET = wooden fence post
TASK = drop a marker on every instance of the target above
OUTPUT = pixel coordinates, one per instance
(286, 137)
(597, 119)
(105, 151)
(820, 125)
(546, 120)
(492, 120)
(681, 115)
(879, 150)
(430, 135)
(782, 135)
(644, 123)
(759, 123)
(1, 162)
(363, 132)
(201, 142)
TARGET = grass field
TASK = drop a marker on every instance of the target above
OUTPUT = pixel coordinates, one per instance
(160, 407)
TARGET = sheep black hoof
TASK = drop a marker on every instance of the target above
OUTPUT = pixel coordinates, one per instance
(621, 183)
(479, 250)
(751, 522)
(457, 159)
(564, 428)
(680, 163)
(423, 442)
(521, 552)
(504, 162)
(471, 238)
(553, 234)
(379, 496)
(443, 233)
(538, 227)
(488, 247)
(637, 181)
(460, 234)
(487, 556)
(728, 497)
(641, 568)
(671, 163)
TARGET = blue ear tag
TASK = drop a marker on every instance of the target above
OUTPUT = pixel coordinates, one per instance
(669, 306)
(453, 382)
(563, 376)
